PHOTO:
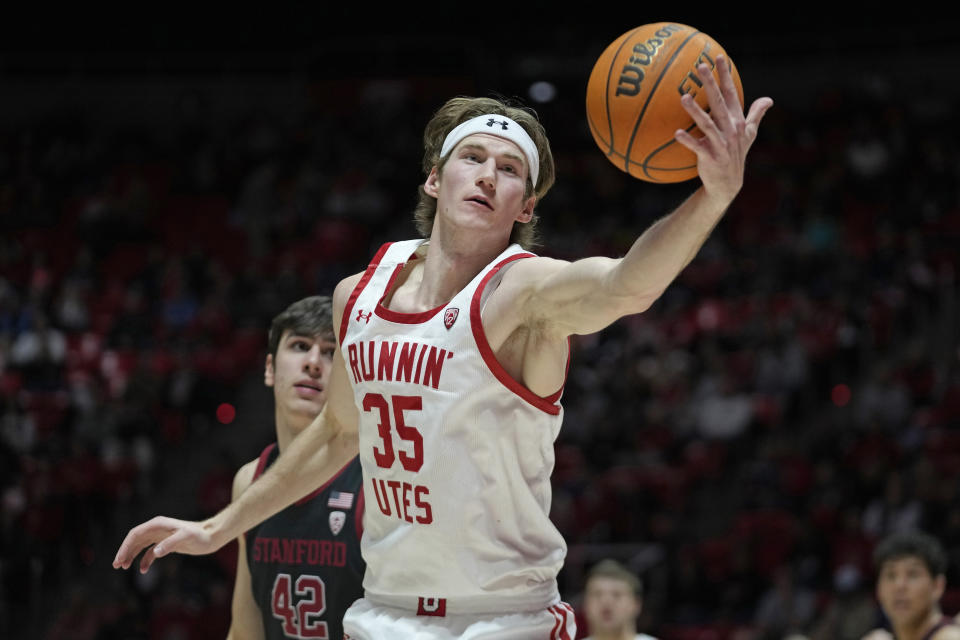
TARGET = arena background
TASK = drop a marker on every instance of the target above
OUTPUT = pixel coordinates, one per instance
(170, 182)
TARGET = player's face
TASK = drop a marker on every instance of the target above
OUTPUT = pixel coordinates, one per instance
(906, 590)
(610, 605)
(482, 185)
(299, 373)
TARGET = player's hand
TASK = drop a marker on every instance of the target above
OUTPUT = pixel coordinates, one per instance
(164, 535)
(878, 634)
(728, 135)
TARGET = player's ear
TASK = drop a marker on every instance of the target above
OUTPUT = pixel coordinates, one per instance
(526, 213)
(268, 371)
(432, 186)
(939, 586)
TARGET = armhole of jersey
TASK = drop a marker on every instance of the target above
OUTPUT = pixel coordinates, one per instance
(358, 513)
(547, 404)
(262, 463)
(348, 308)
(555, 396)
(261, 467)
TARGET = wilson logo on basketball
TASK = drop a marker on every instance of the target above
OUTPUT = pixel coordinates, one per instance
(642, 55)
(450, 316)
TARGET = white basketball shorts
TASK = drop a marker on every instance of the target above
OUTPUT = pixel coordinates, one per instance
(367, 621)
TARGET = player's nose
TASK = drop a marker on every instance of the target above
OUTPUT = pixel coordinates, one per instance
(314, 362)
(487, 173)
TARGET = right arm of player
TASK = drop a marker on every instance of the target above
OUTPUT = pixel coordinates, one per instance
(245, 620)
(319, 451)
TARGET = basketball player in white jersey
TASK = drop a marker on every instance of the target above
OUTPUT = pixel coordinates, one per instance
(452, 355)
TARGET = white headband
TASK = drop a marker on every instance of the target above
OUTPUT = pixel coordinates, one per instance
(502, 127)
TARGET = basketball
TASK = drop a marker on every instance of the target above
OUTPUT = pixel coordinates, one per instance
(633, 98)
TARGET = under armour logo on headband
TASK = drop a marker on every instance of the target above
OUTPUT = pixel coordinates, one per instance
(508, 130)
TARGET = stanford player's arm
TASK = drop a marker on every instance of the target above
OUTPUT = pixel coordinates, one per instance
(324, 447)
(245, 620)
(562, 299)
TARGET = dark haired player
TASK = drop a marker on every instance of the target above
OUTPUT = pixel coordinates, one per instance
(911, 568)
(299, 570)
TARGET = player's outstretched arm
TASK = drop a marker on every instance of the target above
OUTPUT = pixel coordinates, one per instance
(588, 295)
(319, 451)
(245, 618)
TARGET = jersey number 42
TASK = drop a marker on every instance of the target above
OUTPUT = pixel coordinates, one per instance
(300, 620)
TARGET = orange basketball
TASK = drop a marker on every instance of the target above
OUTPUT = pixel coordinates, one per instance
(633, 98)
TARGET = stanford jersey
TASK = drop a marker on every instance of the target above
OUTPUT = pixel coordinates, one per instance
(305, 563)
(456, 455)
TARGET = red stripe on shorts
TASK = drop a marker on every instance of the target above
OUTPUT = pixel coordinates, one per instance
(556, 616)
(561, 612)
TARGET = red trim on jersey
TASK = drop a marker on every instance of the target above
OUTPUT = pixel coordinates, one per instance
(358, 513)
(261, 466)
(262, 462)
(313, 494)
(397, 316)
(544, 404)
(348, 308)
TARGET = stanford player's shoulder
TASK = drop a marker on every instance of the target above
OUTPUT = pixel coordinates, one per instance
(243, 478)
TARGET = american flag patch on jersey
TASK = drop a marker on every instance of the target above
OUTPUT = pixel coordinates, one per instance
(340, 499)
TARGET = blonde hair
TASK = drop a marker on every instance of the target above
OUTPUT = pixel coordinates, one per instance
(461, 109)
(610, 568)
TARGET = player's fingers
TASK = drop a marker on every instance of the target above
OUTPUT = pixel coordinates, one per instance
(172, 543)
(140, 537)
(697, 145)
(727, 87)
(147, 560)
(758, 109)
(706, 124)
(135, 540)
(719, 110)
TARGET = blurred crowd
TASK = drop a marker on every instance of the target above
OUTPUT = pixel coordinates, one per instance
(742, 445)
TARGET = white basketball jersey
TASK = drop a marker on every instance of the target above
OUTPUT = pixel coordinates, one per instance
(456, 454)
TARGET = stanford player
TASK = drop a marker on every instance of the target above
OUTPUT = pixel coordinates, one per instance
(299, 570)
(451, 360)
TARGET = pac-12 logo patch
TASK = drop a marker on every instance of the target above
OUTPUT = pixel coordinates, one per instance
(432, 607)
(337, 520)
(450, 316)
